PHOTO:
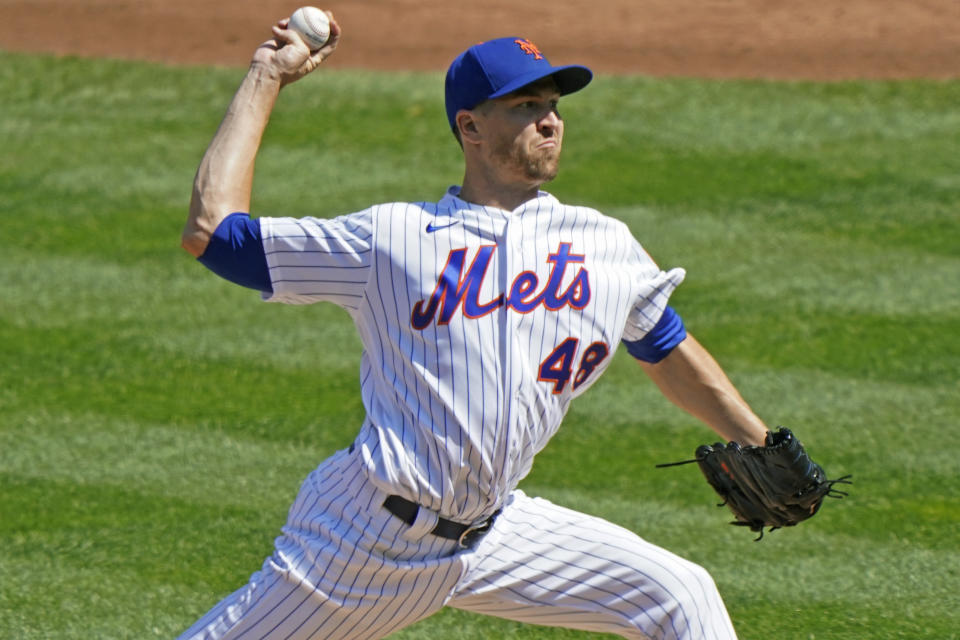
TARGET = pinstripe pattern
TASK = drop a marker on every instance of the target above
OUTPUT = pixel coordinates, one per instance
(343, 568)
(547, 565)
(479, 327)
(455, 413)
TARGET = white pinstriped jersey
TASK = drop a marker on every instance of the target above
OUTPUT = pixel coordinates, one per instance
(479, 327)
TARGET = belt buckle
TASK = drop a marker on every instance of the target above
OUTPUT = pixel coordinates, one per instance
(467, 537)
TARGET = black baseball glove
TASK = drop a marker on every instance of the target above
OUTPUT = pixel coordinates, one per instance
(776, 485)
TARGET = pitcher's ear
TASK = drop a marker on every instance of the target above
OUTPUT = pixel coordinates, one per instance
(467, 124)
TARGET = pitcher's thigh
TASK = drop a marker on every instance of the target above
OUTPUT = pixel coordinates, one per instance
(344, 569)
(544, 564)
(330, 596)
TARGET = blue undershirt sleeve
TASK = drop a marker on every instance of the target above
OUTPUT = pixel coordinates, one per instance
(660, 341)
(235, 253)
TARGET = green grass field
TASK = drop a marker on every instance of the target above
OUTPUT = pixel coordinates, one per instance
(155, 422)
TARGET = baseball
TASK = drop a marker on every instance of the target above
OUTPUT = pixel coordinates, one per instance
(312, 25)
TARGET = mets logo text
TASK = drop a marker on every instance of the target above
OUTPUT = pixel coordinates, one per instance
(456, 288)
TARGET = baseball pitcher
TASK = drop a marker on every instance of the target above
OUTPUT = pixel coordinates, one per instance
(483, 315)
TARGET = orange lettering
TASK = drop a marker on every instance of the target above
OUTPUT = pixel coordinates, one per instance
(530, 48)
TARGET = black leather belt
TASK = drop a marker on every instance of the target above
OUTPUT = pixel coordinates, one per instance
(464, 534)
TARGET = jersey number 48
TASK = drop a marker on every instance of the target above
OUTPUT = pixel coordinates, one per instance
(558, 366)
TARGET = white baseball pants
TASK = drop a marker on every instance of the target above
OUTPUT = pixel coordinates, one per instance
(346, 568)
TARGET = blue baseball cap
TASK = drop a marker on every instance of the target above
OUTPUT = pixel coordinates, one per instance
(495, 68)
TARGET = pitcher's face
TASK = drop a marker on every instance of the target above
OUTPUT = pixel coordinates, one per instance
(525, 132)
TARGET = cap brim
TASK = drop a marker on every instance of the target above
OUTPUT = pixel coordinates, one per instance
(570, 78)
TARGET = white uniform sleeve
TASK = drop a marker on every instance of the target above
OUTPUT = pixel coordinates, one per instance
(312, 259)
(654, 287)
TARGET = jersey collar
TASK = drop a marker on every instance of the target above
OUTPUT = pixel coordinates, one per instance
(451, 200)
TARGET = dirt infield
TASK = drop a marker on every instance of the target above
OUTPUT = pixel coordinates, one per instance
(826, 39)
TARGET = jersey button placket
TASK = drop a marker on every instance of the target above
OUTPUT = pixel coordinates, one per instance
(509, 243)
